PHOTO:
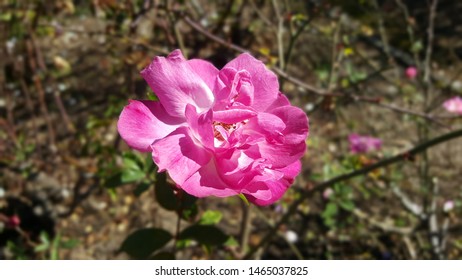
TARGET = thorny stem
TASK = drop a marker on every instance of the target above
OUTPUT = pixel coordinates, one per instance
(322, 186)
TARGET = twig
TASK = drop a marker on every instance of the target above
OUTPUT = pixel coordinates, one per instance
(207, 34)
(386, 227)
(410, 247)
(176, 31)
(31, 51)
(260, 14)
(411, 206)
(410, 31)
(279, 34)
(383, 34)
(336, 57)
(322, 186)
(428, 53)
(293, 39)
(433, 223)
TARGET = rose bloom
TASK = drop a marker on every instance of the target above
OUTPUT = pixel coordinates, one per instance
(218, 132)
(454, 105)
(363, 144)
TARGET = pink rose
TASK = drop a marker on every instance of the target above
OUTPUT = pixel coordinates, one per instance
(363, 144)
(218, 132)
(454, 105)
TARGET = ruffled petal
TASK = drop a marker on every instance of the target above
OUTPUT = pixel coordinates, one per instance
(264, 82)
(233, 115)
(200, 125)
(233, 86)
(268, 125)
(176, 83)
(266, 188)
(296, 123)
(179, 154)
(205, 70)
(143, 122)
(206, 181)
(280, 101)
(276, 155)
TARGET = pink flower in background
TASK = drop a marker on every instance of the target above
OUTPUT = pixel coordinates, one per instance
(454, 105)
(13, 221)
(448, 206)
(411, 72)
(327, 193)
(218, 132)
(363, 144)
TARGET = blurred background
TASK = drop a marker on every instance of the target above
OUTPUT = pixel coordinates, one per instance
(372, 75)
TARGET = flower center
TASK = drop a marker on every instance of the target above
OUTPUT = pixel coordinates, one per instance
(221, 130)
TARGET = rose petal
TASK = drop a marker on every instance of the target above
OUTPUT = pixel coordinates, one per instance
(205, 70)
(280, 101)
(265, 82)
(206, 181)
(176, 84)
(179, 154)
(143, 122)
(200, 125)
(233, 115)
(296, 123)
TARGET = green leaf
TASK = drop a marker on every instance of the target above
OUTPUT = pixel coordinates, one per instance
(347, 205)
(331, 210)
(130, 163)
(164, 193)
(231, 242)
(141, 188)
(189, 213)
(211, 217)
(69, 244)
(204, 234)
(54, 252)
(132, 175)
(123, 177)
(142, 243)
(44, 242)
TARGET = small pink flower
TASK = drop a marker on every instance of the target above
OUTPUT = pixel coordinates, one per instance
(363, 144)
(13, 221)
(218, 132)
(411, 72)
(448, 206)
(327, 193)
(454, 105)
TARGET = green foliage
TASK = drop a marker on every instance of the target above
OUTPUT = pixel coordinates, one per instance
(142, 243)
(208, 235)
(50, 247)
(211, 217)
